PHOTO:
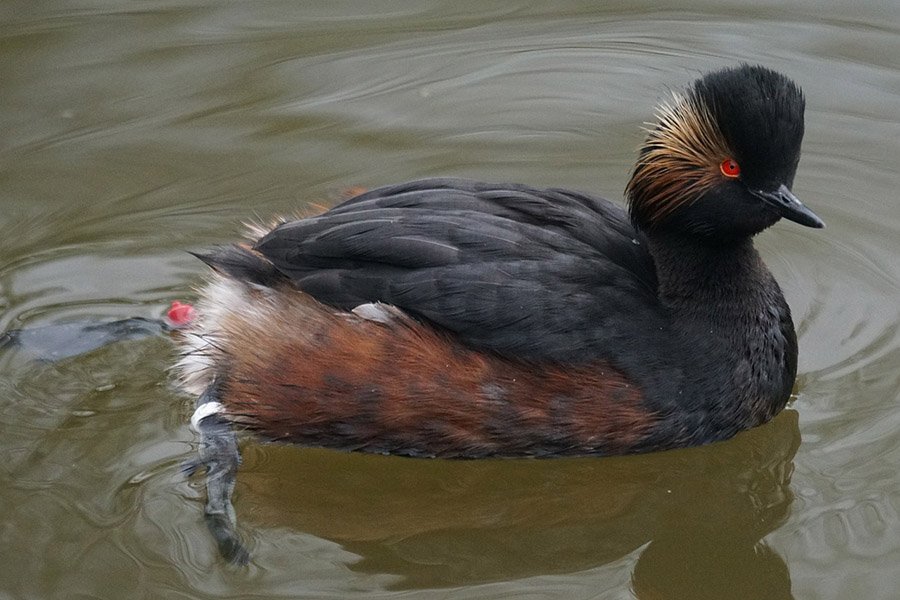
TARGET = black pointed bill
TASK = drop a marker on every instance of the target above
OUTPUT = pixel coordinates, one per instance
(789, 206)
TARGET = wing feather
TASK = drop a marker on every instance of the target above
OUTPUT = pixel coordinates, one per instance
(539, 274)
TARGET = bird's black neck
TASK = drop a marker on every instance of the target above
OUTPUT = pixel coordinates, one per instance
(695, 275)
(731, 318)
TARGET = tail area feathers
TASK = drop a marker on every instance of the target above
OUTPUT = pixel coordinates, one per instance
(242, 263)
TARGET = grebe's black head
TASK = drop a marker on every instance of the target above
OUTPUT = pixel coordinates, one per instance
(720, 160)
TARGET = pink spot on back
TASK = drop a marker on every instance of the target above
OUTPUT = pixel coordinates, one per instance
(180, 314)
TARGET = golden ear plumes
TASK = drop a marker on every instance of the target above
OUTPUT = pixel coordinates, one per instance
(679, 160)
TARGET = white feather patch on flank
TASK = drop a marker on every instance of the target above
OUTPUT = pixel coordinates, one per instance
(378, 312)
(226, 307)
(202, 344)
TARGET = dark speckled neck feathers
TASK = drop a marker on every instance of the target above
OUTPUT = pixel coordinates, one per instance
(730, 313)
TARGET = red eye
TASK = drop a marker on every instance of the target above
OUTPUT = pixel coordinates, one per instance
(730, 168)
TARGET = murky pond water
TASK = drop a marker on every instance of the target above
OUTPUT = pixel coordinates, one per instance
(133, 131)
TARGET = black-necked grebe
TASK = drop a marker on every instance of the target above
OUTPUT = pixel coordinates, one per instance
(453, 318)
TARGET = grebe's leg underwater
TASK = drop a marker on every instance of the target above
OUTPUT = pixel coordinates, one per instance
(220, 456)
(50, 343)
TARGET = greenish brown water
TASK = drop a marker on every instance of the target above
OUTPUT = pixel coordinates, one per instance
(133, 131)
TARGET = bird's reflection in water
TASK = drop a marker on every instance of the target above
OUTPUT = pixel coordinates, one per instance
(695, 518)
